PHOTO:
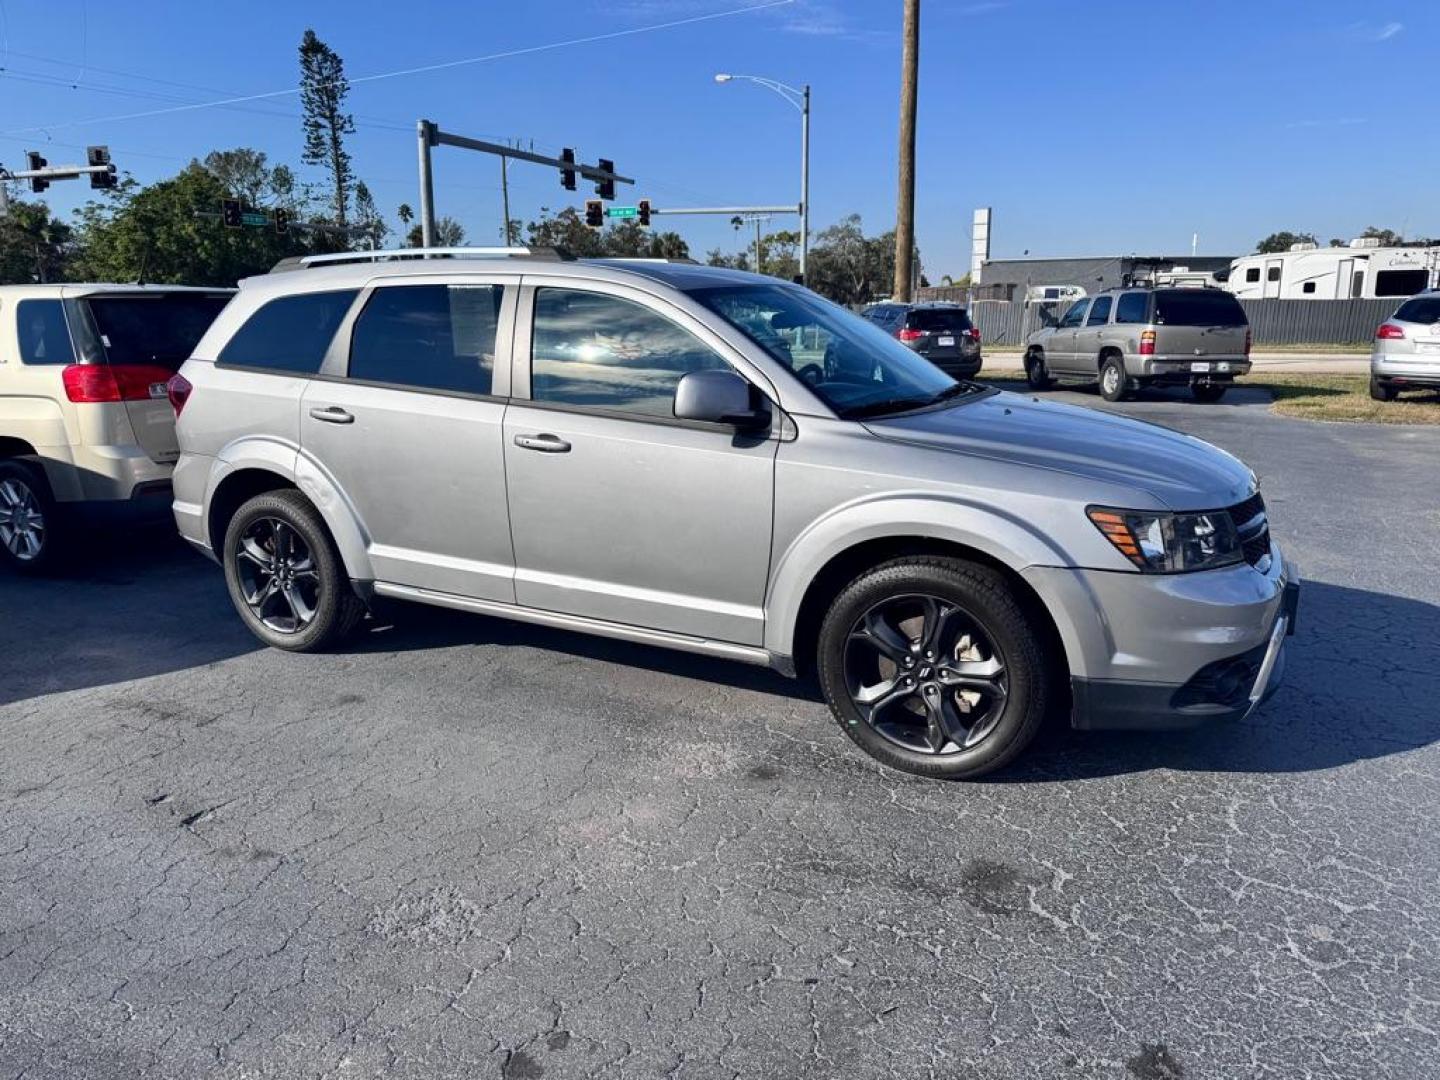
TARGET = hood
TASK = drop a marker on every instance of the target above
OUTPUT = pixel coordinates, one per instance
(1179, 470)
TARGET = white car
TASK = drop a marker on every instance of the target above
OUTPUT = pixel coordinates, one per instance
(87, 433)
(1406, 354)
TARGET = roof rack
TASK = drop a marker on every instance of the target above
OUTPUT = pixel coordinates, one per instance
(304, 262)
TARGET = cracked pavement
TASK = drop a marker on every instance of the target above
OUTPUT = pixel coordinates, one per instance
(464, 848)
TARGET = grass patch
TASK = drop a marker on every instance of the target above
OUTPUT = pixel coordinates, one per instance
(1337, 398)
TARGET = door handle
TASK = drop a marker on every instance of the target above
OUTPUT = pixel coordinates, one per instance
(546, 444)
(332, 415)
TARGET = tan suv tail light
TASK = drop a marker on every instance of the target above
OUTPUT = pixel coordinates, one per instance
(1147, 342)
(90, 383)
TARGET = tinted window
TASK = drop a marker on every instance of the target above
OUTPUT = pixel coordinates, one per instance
(1253, 274)
(1134, 307)
(1198, 307)
(1357, 283)
(44, 338)
(1076, 314)
(938, 320)
(1099, 312)
(161, 330)
(1272, 274)
(602, 352)
(437, 337)
(289, 334)
(1400, 282)
(1424, 309)
(1308, 287)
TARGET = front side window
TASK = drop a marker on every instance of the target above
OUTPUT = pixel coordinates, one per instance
(44, 338)
(594, 351)
(1099, 312)
(851, 364)
(1076, 315)
(1134, 307)
(290, 334)
(432, 337)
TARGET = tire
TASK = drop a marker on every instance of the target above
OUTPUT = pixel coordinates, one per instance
(1208, 392)
(289, 585)
(30, 532)
(965, 711)
(1382, 391)
(1114, 382)
(1037, 376)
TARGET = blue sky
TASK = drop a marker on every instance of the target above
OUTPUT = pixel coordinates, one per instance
(1096, 127)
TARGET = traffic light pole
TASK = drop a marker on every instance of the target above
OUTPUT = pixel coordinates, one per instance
(45, 175)
(429, 136)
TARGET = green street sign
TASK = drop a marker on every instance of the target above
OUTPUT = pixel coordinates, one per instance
(622, 211)
(250, 217)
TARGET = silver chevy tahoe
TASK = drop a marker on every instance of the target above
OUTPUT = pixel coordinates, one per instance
(628, 448)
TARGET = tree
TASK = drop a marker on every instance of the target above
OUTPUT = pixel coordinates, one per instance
(849, 267)
(448, 233)
(34, 246)
(1281, 241)
(367, 215)
(247, 176)
(1387, 237)
(323, 89)
(628, 239)
(153, 234)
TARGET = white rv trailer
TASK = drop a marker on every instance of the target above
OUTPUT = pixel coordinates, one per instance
(1361, 270)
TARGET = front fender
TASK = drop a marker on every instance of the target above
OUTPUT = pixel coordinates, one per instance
(1007, 539)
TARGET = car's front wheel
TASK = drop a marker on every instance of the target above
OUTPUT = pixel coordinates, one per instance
(285, 576)
(1037, 376)
(28, 535)
(931, 666)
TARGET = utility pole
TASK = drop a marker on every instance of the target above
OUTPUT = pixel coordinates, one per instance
(905, 200)
(505, 198)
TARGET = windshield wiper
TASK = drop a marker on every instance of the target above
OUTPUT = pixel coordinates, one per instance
(886, 405)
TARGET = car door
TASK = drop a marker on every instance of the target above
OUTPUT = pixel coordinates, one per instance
(1089, 335)
(1060, 349)
(406, 421)
(619, 511)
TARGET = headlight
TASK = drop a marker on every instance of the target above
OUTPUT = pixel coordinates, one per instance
(1162, 543)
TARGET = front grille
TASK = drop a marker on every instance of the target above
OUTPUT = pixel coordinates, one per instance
(1253, 525)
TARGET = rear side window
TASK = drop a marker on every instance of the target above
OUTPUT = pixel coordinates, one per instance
(1134, 307)
(1400, 282)
(1099, 311)
(289, 334)
(44, 337)
(1198, 307)
(1423, 309)
(938, 320)
(432, 337)
(159, 330)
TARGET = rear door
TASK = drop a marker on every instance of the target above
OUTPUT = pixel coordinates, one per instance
(148, 336)
(1088, 336)
(1200, 324)
(406, 420)
(1274, 270)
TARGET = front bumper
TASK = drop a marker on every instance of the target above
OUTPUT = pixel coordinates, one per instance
(1161, 652)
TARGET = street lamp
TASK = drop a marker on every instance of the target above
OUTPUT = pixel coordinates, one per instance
(800, 99)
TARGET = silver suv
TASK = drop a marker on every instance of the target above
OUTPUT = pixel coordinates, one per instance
(86, 435)
(1406, 353)
(1139, 336)
(629, 448)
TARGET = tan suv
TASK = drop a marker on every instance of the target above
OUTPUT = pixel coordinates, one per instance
(87, 434)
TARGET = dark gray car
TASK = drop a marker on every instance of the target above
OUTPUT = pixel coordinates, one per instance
(718, 462)
(941, 333)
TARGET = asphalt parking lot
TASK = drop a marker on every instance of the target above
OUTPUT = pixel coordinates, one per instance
(463, 848)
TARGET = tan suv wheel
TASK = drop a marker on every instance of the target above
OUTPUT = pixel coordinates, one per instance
(27, 518)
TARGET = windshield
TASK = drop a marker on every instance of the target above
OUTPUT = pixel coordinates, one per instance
(1198, 307)
(160, 330)
(854, 366)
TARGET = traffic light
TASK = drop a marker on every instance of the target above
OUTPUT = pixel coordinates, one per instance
(594, 213)
(100, 155)
(282, 221)
(36, 162)
(643, 212)
(605, 188)
(230, 213)
(567, 176)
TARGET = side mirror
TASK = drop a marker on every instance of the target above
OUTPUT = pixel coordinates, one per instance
(720, 397)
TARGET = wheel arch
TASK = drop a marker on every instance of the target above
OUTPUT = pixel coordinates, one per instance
(11, 447)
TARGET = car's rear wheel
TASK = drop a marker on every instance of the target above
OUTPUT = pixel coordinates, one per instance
(1114, 382)
(931, 666)
(28, 534)
(285, 576)
(1382, 391)
(1210, 392)
(1037, 376)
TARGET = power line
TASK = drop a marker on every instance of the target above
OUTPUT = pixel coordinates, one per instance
(421, 70)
